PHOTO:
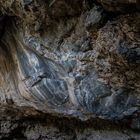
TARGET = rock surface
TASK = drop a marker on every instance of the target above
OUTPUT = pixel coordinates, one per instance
(69, 69)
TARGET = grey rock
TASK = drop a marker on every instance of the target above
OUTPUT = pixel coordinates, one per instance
(94, 16)
(136, 124)
(131, 54)
(69, 70)
(73, 82)
(27, 2)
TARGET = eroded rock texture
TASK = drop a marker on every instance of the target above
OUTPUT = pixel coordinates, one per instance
(69, 69)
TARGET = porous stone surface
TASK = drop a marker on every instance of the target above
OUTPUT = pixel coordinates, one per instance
(69, 69)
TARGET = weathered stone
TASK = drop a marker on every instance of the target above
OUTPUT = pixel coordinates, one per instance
(136, 124)
(69, 61)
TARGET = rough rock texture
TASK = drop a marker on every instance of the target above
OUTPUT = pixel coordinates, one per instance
(69, 69)
(120, 5)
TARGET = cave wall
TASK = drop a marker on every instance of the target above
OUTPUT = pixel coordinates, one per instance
(74, 62)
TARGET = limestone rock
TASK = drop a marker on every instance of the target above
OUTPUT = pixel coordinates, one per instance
(71, 64)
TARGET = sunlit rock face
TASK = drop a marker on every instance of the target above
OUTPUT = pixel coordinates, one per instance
(69, 59)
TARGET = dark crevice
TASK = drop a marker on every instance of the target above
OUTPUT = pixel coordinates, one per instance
(65, 125)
